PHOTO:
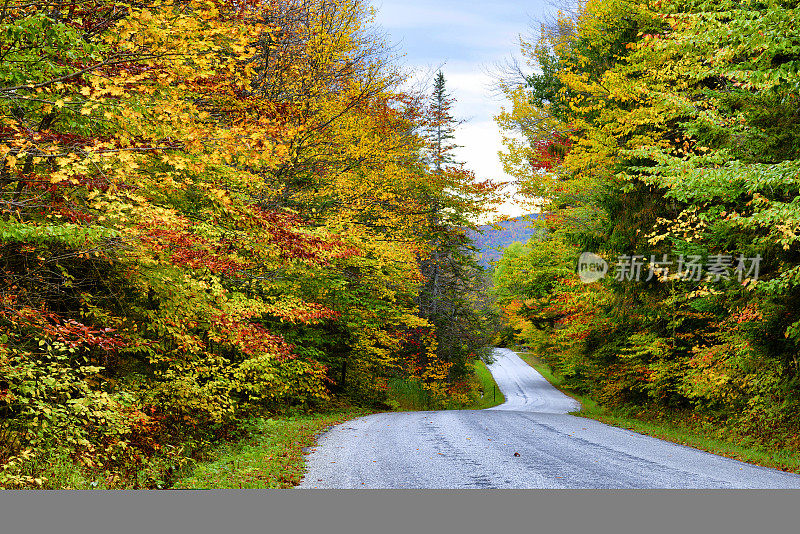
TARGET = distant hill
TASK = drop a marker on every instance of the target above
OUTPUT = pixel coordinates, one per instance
(491, 243)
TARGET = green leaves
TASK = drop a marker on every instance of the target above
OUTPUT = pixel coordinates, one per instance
(69, 234)
(685, 130)
(37, 38)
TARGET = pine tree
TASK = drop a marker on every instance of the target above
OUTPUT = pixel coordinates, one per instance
(441, 126)
(454, 281)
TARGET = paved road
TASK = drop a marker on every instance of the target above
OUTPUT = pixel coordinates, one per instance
(528, 442)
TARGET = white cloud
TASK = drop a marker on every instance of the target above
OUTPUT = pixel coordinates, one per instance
(480, 142)
(464, 38)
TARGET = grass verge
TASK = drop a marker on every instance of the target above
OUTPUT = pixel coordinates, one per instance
(271, 456)
(410, 395)
(489, 394)
(407, 395)
(642, 422)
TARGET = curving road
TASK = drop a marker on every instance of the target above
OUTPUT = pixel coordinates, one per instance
(528, 442)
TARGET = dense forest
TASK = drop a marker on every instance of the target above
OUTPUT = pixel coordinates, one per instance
(215, 210)
(664, 137)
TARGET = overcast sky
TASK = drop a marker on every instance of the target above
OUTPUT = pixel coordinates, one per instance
(467, 39)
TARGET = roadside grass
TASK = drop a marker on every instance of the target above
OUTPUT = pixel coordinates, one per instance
(52, 468)
(489, 395)
(676, 431)
(409, 395)
(270, 456)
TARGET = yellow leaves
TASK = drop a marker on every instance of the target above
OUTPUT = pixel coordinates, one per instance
(67, 160)
(210, 11)
(176, 161)
(58, 177)
(656, 239)
(221, 196)
(124, 141)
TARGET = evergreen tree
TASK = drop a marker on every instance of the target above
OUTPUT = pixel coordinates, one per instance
(454, 283)
(441, 126)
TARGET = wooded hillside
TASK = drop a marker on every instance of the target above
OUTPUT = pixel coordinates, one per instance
(666, 137)
(212, 210)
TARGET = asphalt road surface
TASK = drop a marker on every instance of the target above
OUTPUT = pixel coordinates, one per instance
(528, 442)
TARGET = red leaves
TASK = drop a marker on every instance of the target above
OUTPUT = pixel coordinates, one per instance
(186, 249)
(310, 313)
(749, 313)
(70, 332)
(293, 244)
(189, 250)
(549, 152)
(253, 338)
(414, 355)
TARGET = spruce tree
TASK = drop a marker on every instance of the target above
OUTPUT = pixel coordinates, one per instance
(441, 126)
(451, 295)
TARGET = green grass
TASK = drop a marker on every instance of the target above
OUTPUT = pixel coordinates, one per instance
(409, 395)
(492, 396)
(648, 424)
(52, 469)
(271, 456)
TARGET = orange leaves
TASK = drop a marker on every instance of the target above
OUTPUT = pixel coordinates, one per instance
(70, 332)
(280, 231)
(185, 249)
(284, 231)
(302, 312)
(251, 338)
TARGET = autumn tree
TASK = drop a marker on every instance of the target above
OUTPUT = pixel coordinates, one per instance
(672, 112)
(205, 217)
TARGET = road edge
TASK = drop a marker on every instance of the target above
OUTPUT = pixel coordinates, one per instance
(677, 435)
